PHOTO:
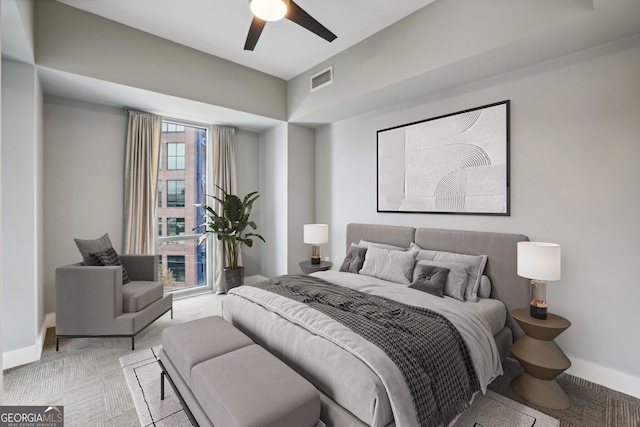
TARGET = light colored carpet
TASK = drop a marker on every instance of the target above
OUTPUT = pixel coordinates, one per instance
(142, 374)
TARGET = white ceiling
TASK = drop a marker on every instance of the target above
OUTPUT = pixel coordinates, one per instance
(219, 27)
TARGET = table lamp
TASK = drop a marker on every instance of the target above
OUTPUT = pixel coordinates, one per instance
(316, 235)
(539, 262)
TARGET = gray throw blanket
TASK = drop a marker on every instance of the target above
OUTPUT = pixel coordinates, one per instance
(424, 345)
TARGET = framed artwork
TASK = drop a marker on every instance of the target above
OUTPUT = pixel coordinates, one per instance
(452, 164)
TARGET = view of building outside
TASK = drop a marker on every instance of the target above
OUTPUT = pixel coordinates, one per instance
(181, 184)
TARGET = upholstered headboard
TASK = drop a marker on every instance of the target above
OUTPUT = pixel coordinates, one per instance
(500, 248)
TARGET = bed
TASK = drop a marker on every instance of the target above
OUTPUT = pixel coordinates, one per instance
(357, 384)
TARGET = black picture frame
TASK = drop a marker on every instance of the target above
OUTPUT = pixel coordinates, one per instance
(457, 163)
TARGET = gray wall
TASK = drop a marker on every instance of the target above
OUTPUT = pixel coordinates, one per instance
(84, 169)
(22, 210)
(78, 42)
(574, 177)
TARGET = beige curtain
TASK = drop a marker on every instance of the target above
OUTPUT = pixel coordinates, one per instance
(141, 183)
(223, 156)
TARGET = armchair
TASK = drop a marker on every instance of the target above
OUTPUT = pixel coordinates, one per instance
(91, 301)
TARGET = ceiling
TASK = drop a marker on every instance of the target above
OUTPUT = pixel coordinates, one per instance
(219, 27)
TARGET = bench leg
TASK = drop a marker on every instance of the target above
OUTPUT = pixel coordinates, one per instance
(172, 312)
(162, 385)
(57, 343)
(133, 343)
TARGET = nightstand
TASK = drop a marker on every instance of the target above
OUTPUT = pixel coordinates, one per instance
(308, 268)
(541, 359)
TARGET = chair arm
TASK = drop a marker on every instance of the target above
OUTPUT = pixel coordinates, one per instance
(88, 298)
(141, 267)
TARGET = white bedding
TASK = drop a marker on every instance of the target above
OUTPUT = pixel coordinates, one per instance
(350, 371)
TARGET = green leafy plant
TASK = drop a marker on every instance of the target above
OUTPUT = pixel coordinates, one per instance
(230, 226)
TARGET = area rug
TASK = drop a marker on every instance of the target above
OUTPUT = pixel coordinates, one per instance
(142, 374)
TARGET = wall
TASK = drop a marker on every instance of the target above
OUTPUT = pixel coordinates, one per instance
(301, 193)
(78, 42)
(248, 168)
(83, 167)
(273, 187)
(22, 214)
(1, 234)
(574, 151)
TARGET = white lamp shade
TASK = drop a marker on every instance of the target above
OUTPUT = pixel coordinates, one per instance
(316, 234)
(539, 260)
(269, 10)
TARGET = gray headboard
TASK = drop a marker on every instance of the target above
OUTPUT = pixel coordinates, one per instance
(500, 248)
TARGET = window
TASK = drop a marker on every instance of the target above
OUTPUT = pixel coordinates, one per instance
(182, 184)
(175, 155)
(175, 193)
(159, 227)
(175, 263)
(172, 127)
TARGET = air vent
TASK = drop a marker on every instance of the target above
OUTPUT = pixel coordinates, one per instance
(322, 79)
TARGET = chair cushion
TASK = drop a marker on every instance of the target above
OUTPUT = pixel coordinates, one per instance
(190, 343)
(251, 387)
(138, 295)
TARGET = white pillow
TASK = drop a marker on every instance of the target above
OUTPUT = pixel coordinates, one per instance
(387, 264)
(380, 245)
(475, 263)
(456, 280)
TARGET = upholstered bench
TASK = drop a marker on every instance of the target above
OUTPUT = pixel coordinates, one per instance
(224, 379)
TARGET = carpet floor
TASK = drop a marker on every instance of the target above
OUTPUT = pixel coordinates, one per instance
(86, 377)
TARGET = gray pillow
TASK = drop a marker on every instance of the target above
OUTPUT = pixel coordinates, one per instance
(354, 260)
(476, 264)
(430, 279)
(387, 264)
(87, 247)
(110, 258)
(484, 291)
(456, 279)
(381, 245)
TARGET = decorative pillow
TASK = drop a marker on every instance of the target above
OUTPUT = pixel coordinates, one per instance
(484, 291)
(387, 264)
(430, 279)
(476, 265)
(87, 247)
(381, 245)
(110, 258)
(456, 278)
(355, 258)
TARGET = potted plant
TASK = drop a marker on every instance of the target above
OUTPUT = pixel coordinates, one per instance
(229, 227)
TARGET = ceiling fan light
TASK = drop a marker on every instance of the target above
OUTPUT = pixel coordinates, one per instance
(269, 10)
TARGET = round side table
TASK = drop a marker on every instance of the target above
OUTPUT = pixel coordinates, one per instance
(541, 359)
(308, 268)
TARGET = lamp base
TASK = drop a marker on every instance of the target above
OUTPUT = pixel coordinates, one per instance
(538, 312)
(315, 260)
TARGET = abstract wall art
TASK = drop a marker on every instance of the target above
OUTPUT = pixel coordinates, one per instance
(452, 164)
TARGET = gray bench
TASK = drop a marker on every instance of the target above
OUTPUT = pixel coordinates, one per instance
(224, 379)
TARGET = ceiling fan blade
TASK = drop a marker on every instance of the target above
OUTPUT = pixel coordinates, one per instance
(257, 25)
(302, 18)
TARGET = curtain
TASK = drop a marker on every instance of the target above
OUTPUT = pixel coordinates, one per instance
(141, 182)
(223, 157)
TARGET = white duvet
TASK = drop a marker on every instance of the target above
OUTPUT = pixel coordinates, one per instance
(350, 370)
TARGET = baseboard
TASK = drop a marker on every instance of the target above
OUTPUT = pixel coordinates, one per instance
(29, 354)
(611, 378)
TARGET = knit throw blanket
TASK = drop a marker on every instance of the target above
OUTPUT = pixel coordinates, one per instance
(424, 345)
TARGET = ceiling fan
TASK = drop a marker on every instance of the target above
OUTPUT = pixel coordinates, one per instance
(273, 10)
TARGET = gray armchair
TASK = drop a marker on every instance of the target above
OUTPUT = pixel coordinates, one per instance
(91, 301)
